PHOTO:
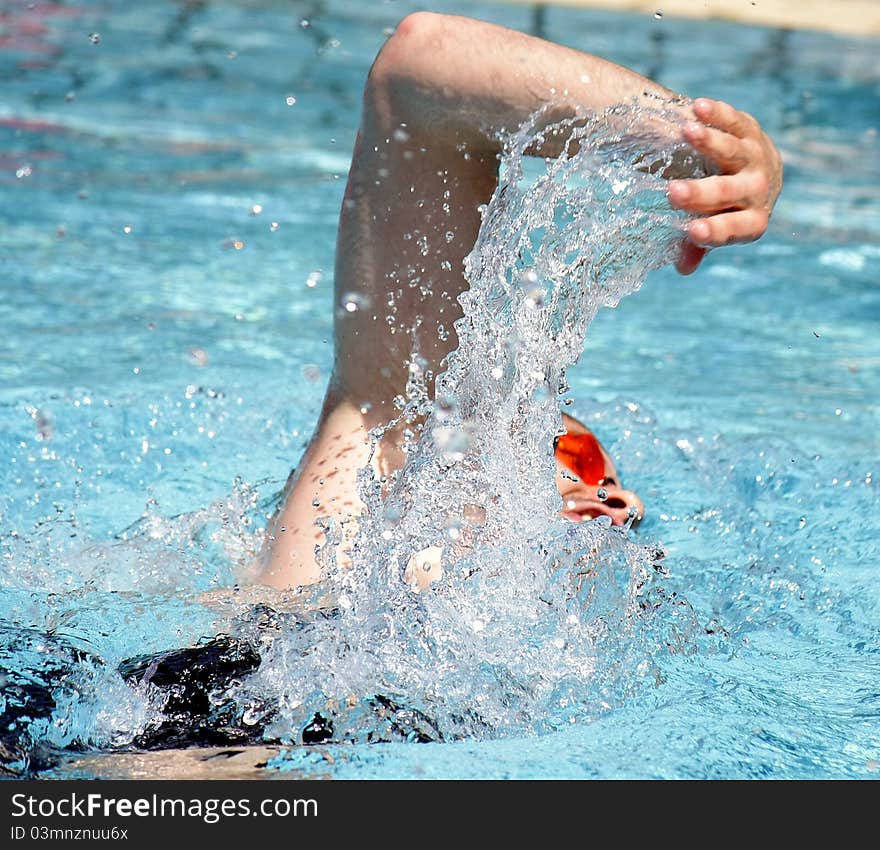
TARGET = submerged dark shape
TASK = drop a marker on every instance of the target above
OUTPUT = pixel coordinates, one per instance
(196, 688)
(29, 692)
(199, 710)
(194, 681)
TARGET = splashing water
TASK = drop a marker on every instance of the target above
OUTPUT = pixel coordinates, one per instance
(534, 620)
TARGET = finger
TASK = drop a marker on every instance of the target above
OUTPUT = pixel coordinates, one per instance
(710, 194)
(728, 228)
(574, 516)
(722, 115)
(690, 257)
(724, 149)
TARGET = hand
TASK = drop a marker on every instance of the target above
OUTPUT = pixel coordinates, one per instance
(736, 203)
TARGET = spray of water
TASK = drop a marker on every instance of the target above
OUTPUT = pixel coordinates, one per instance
(530, 619)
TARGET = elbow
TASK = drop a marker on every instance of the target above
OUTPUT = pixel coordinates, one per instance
(418, 25)
(403, 54)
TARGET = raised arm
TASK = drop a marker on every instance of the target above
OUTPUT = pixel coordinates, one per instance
(439, 93)
(459, 81)
(456, 81)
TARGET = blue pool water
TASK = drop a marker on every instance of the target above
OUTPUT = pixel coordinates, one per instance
(169, 198)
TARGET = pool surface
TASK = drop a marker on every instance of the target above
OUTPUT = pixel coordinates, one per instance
(171, 177)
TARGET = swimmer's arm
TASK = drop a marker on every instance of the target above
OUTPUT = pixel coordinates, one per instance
(459, 82)
(462, 82)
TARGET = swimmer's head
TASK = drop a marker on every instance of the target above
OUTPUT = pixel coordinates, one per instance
(598, 490)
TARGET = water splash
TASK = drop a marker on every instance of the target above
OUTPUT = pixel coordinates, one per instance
(531, 622)
(530, 619)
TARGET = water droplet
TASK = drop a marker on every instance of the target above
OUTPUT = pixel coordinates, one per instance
(528, 279)
(453, 442)
(453, 528)
(250, 716)
(95, 38)
(313, 279)
(316, 502)
(535, 294)
(496, 372)
(366, 407)
(273, 226)
(658, 14)
(197, 356)
(602, 494)
(802, 522)
(24, 171)
(290, 100)
(232, 54)
(445, 407)
(126, 229)
(449, 236)
(352, 302)
(256, 209)
(417, 365)
(400, 135)
(70, 96)
(535, 297)
(305, 23)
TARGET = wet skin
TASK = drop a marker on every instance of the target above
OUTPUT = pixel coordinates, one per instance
(437, 98)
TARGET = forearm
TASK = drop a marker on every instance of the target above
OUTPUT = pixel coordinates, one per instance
(463, 82)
